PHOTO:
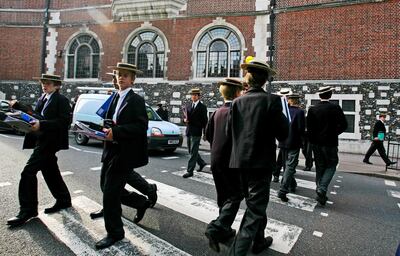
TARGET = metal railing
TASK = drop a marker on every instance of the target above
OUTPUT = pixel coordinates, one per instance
(393, 152)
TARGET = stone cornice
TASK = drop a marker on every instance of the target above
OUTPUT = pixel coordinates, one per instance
(324, 5)
(134, 10)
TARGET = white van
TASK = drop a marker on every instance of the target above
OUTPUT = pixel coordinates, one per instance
(160, 134)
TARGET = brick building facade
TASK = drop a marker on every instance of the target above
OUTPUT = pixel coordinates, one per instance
(351, 45)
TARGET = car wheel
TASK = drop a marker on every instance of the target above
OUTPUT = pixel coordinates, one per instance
(81, 139)
(170, 150)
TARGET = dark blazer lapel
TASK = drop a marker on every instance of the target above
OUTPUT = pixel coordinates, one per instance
(125, 102)
(111, 104)
(53, 99)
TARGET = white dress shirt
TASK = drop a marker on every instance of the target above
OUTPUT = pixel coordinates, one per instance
(47, 97)
(122, 95)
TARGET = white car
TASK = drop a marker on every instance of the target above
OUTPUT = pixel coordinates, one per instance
(160, 134)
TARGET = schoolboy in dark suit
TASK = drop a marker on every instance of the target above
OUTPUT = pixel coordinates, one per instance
(377, 143)
(125, 149)
(227, 181)
(48, 136)
(256, 121)
(325, 122)
(196, 120)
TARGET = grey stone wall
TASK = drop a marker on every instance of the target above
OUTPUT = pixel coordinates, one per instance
(376, 97)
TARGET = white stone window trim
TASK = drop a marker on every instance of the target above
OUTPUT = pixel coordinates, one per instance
(217, 23)
(340, 97)
(147, 26)
(82, 31)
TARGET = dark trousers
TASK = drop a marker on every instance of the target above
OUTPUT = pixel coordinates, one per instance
(131, 198)
(326, 159)
(194, 153)
(377, 145)
(45, 161)
(288, 179)
(229, 196)
(256, 186)
(113, 178)
(307, 152)
(280, 162)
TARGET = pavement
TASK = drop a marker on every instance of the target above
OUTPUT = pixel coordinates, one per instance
(350, 163)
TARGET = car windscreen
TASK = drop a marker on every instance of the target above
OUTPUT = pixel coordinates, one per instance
(152, 115)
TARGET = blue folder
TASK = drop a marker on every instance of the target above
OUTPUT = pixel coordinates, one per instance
(102, 111)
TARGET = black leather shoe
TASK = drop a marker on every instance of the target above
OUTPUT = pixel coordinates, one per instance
(366, 161)
(259, 247)
(321, 198)
(307, 169)
(21, 218)
(141, 211)
(153, 195)
(228, 236)
(187, 175)
(390, 163)
(283, 197)
(98, 214)
(57, 207)
(213, 243)
(201, 168)
(275, 179)
(107, 242)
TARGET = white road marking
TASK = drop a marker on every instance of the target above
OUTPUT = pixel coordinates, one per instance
(340, 177)
(12, 137)
(164, 171)
(306, 184)
(76, 230)
(317, 234)
(309, 173)
(74, 148)
(92, 152)
(4, 184)
(394, 193)
(183, 167)
(398, 204)
(170, 157)
(336, 186)
(205, 210)
(78, 191)
(66, 173)
(295, 201)
(98, 168)
(338, 181)
(143, 176)
(324, 214)
(205, 153)
(329, 202)
(333, 193)
(390, 183)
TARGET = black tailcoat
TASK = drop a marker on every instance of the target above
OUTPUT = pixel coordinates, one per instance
(256, 121)
(53, 134)
(130, 134)
(197, 118)
(325, 121)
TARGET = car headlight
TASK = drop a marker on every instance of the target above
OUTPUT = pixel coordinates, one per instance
(156, 132)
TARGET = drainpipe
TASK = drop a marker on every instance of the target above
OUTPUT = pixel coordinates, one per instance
(271, 47)
(45, 30)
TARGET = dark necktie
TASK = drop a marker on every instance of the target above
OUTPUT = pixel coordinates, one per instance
(41, 105)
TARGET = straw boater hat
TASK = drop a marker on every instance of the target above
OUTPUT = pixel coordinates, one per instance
(324, 89)
(126, 66)
(260, 65)
(194, 91)
(231, 82)
(284, 92)
(48, 77)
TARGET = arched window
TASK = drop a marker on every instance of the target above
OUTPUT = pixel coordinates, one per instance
(83, 57)
(218, 54)
(147, 51)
